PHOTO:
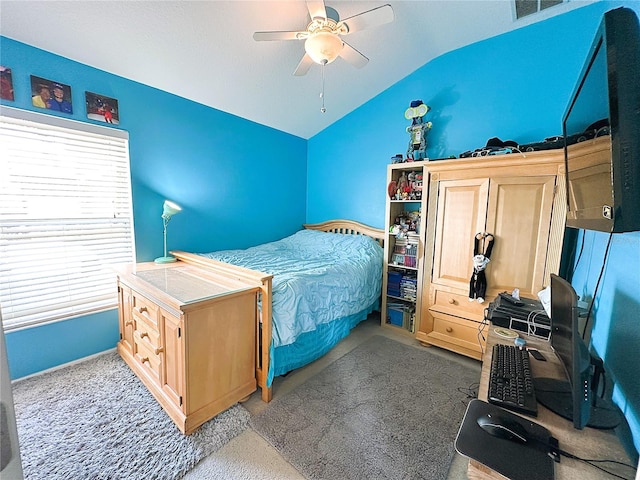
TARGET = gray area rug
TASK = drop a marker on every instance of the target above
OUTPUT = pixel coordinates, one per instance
(96, 420)
(385, 410)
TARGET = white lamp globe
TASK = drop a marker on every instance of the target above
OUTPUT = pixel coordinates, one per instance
(323, 47)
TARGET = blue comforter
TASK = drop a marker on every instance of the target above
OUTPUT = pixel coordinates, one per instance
(318, 277)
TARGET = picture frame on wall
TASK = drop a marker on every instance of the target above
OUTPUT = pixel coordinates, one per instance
(6, 84)
(51, 95)
(102, 108)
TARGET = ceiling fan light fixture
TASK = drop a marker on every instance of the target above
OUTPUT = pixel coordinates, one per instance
(323, 47)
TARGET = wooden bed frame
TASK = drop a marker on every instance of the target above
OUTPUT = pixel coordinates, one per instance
(263, 281)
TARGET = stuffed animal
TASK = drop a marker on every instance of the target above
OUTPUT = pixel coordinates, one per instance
(478, 282)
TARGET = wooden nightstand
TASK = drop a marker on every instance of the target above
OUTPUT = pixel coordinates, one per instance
(190, 336)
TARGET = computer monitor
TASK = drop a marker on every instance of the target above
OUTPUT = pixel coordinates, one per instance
(574, 397)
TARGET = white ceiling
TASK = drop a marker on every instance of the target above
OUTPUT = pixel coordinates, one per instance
(204, 50)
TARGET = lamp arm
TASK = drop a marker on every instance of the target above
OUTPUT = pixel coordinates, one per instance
(165, 222)
(169, 209)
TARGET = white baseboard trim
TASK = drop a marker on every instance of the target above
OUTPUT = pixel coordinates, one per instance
(64, 365)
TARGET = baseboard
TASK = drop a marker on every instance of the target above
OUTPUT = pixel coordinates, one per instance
(64, 365)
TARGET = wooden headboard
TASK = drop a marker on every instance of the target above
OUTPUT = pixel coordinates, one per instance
(348, 227)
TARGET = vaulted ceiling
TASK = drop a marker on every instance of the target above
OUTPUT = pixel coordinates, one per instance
(205, 51)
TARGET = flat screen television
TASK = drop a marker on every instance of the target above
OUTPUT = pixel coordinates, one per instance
(601, 128)
(574, 397)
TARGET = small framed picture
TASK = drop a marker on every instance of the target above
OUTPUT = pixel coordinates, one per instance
(102, 108)
(51, 95)
(6, 84)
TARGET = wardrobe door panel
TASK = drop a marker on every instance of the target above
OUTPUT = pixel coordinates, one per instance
(519, 216)
(462, 208)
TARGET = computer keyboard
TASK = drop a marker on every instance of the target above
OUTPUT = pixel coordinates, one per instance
(511, 381)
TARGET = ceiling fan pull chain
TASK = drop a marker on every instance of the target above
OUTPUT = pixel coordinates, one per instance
(322, 109)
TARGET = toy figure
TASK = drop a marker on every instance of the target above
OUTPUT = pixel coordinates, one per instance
(478, 282)
(417, 130)
(415, 181)
(402, 187)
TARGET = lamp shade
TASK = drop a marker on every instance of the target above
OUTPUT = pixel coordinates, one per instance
(323, 47)
(169, 209)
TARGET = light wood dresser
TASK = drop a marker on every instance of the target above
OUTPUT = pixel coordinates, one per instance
(190, 336)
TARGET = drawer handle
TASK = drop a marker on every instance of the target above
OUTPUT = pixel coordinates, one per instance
(140, 335)
(142, 309)
(142, 359)
(128, 322)
(452, 301)
(449, 329)
(158, 350)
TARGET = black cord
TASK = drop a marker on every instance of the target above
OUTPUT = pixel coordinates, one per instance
(592, 462)
(471, 391)
(481, 327)
(577, 262)
(593, 300)
(555, 452)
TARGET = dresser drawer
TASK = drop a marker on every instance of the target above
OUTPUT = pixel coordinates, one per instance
(464, 332)
(147, 337)
(456, 334)
(458, 305)
(147, 357)
(146, 331)
(145, 310)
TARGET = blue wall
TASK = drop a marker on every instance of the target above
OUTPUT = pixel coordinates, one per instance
(615, 317)
(221, 169)
(515, 87)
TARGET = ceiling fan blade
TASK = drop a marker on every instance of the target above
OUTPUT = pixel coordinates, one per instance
(316, 9)
(353, 56)
(370, 18)
(268, 36)
(304, 66)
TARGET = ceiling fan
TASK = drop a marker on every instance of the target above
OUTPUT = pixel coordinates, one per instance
(322, 38)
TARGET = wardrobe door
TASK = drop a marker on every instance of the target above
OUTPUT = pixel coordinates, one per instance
(519, 217)
(461, 213)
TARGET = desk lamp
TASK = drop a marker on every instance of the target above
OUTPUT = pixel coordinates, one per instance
(169, 209)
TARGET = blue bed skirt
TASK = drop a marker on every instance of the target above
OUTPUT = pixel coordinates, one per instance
(310, 346)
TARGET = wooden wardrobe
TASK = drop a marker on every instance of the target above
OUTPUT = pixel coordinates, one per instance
(521, 200)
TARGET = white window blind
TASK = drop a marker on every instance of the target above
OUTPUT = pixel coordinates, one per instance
(65, 217)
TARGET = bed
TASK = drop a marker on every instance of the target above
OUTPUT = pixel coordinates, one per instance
(315, 286)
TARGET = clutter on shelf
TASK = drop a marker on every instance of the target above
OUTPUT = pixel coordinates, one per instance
(406, 223)
(495, 146)
(407, 187)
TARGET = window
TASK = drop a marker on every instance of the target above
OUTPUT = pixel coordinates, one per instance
(65, 217)
(529, 7)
